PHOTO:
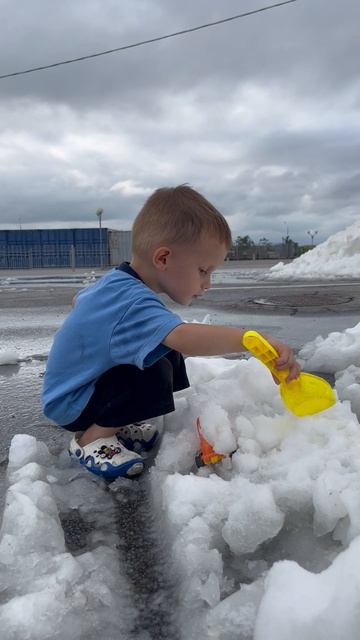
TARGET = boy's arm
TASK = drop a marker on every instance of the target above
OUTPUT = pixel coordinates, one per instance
(209, 340)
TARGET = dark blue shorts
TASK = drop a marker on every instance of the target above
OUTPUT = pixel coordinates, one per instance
(126, 394)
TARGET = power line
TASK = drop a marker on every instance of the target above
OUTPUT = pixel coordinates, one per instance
(143, 42)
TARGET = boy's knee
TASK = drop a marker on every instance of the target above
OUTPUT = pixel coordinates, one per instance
(165, 370)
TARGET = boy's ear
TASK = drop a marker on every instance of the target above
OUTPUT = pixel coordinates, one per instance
(160, 257)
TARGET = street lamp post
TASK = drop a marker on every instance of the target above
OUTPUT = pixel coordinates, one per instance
(99, 213)
(286, 240)
(312, 233)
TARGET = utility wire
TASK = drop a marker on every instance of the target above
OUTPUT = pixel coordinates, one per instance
(151, 40)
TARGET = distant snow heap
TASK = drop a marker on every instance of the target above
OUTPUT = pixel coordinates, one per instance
(337, 257)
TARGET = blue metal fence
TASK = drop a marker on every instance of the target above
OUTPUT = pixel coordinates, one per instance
(37, 248)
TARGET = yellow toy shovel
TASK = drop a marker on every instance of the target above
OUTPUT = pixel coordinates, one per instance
(304, 396)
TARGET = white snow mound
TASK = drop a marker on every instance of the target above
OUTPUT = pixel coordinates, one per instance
(289, 492)
(337, 257)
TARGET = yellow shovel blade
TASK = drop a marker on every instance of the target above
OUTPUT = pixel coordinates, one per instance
(306, 395)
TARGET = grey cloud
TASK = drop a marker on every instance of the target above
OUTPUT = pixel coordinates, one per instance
(261, 114)
(307, 46)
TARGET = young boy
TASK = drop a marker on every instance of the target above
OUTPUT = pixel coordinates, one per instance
(116, 361)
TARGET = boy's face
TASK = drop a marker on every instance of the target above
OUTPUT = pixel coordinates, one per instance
(188, 269)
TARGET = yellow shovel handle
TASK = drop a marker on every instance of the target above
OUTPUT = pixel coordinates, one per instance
(265, 352)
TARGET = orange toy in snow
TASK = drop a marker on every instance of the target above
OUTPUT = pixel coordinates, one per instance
(206, 454)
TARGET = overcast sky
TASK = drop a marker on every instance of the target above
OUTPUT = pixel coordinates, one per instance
(261, 115)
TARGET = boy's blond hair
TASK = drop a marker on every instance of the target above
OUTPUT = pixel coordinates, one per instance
(177, 215)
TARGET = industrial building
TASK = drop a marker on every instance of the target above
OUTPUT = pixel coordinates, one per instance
(72, 248)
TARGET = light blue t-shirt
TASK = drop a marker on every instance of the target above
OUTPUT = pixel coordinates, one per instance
(118, 320)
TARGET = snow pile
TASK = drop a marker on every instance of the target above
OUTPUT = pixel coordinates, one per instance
(47, 591)
(8, 357)
(337, 257)
(333, 353)
(323, 606)
(347, 385)
(336, 353)
(289, 491)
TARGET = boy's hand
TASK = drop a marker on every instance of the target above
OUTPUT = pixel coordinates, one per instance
(286, 359)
